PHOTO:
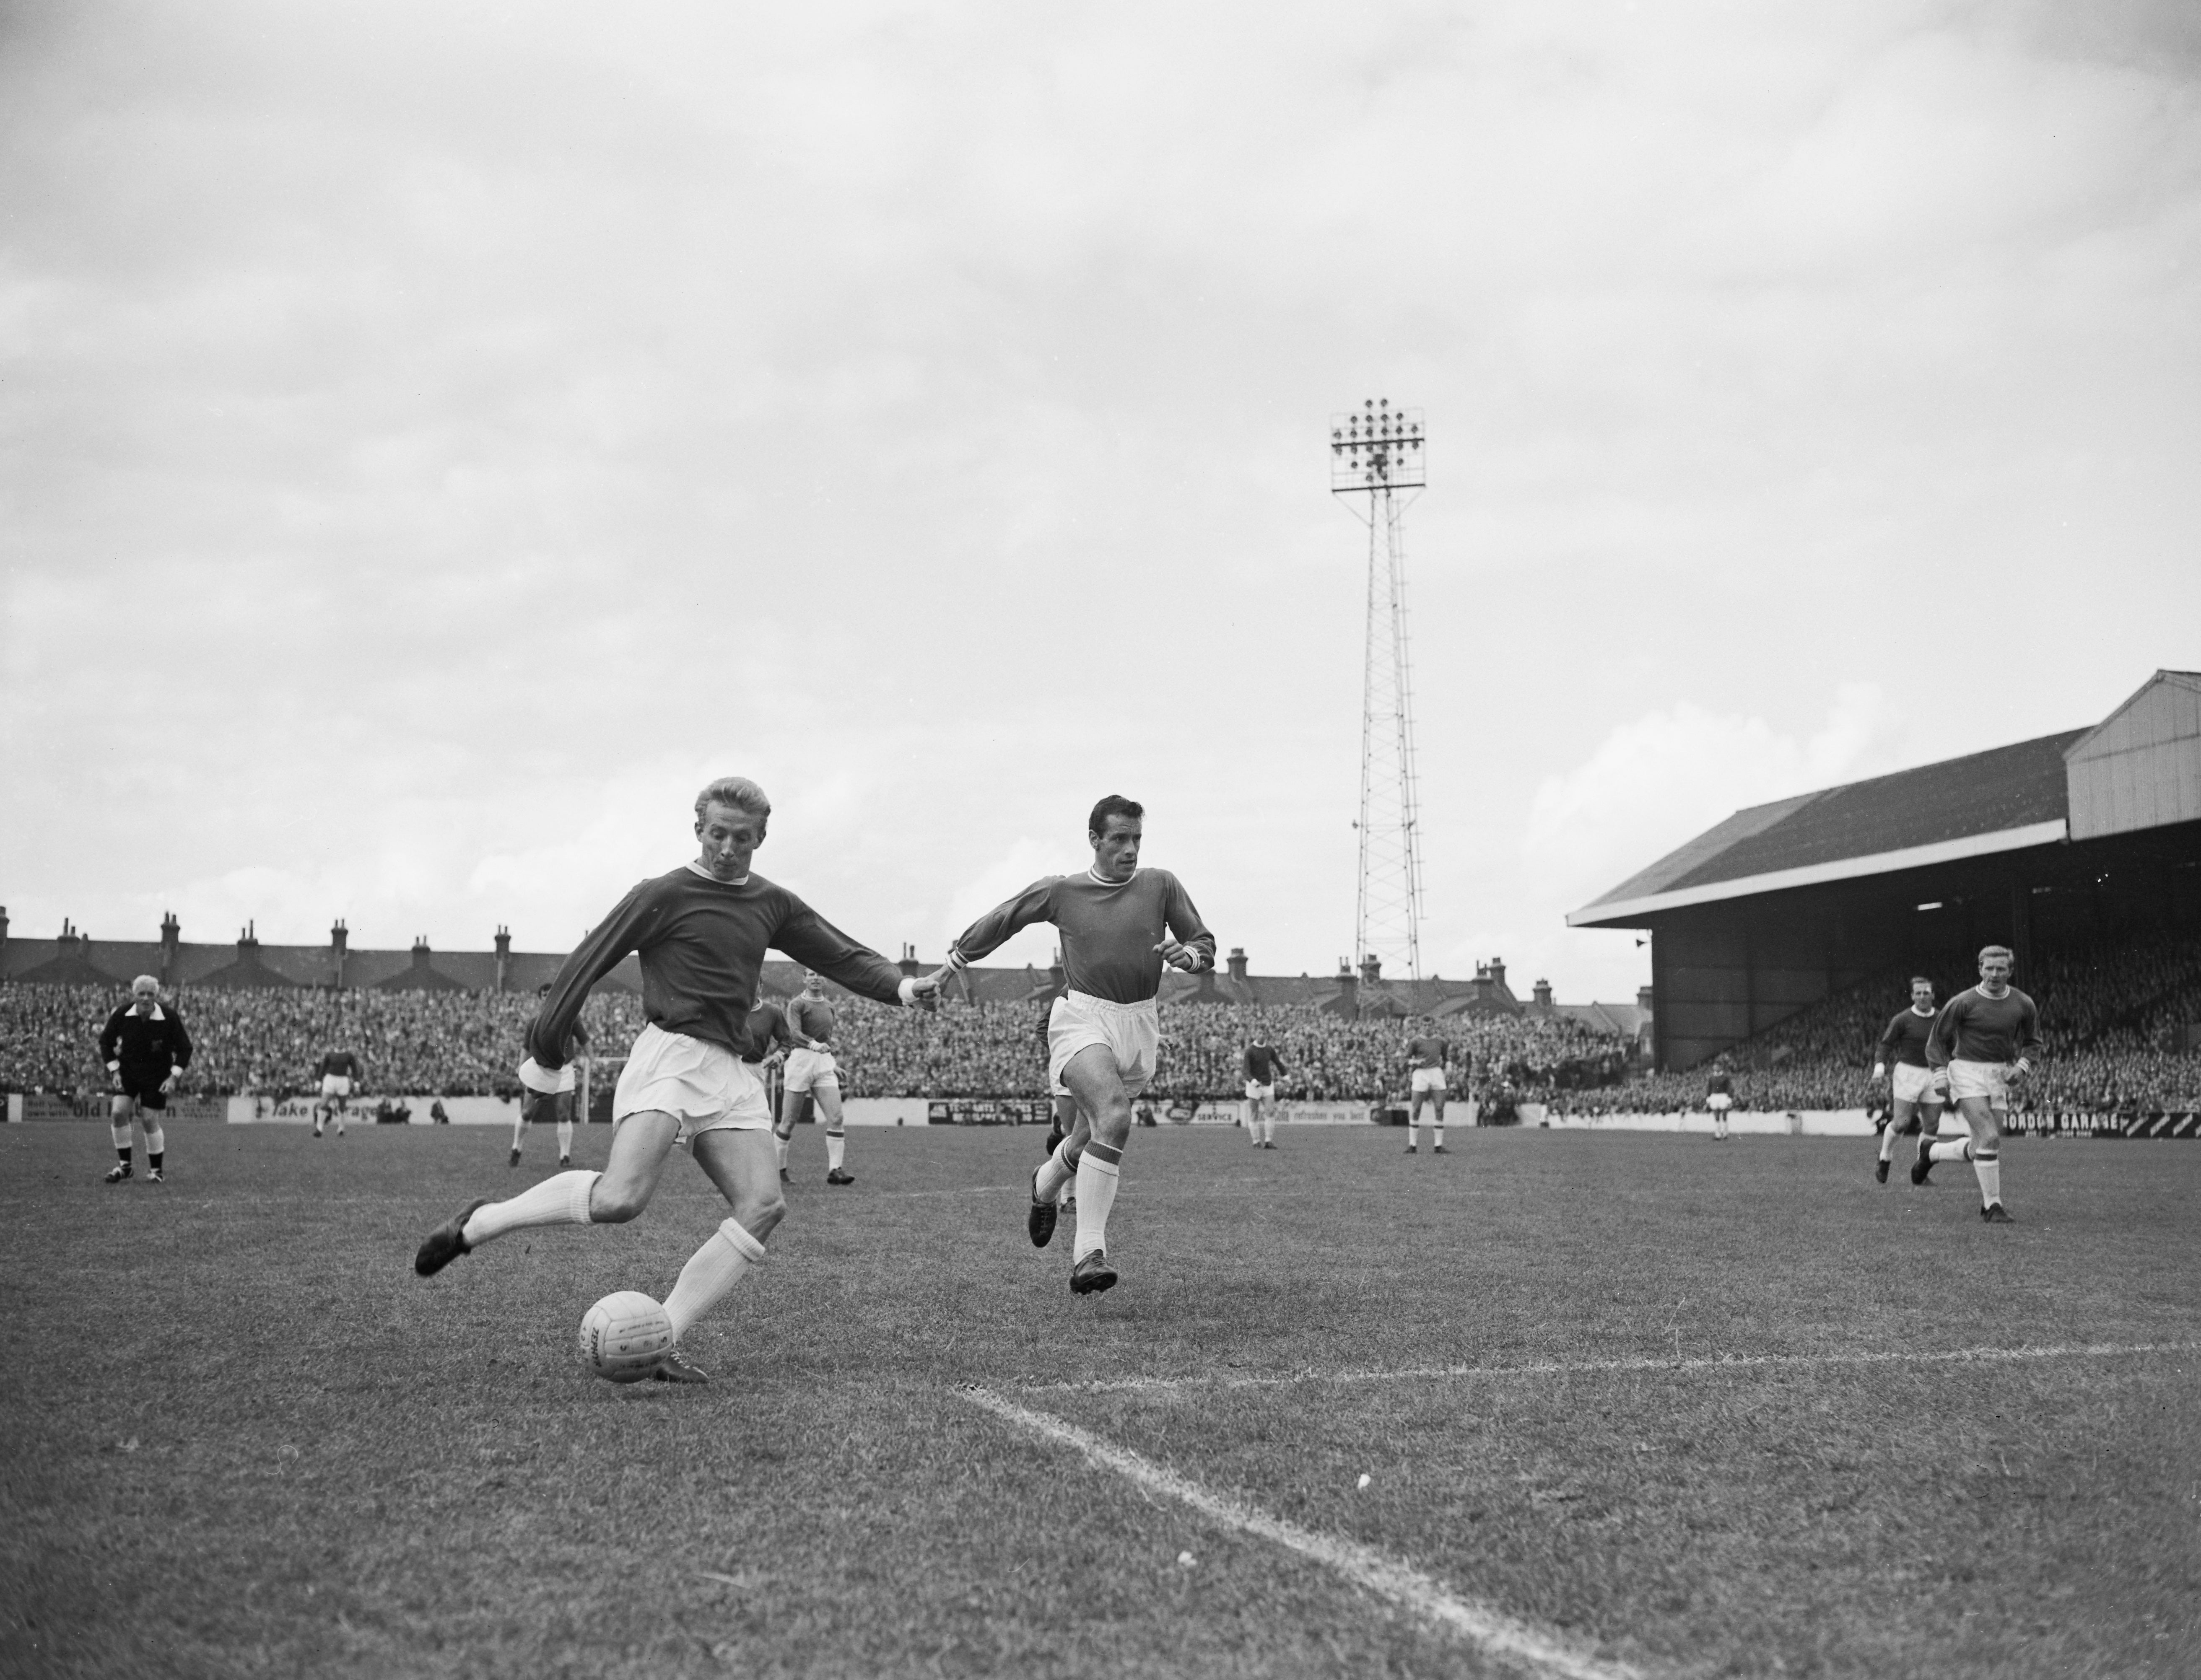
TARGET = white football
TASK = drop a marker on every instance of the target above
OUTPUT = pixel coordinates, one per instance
(624, 1336)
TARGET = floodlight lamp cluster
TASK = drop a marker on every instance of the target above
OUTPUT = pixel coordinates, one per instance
(1378, 447)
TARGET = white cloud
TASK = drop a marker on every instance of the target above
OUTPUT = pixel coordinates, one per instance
(1671, 774)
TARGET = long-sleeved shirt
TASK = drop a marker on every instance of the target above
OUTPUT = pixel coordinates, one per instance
(767, 1026)
(1428, 1052)
(1720, 1085)
(702, 943)
(1973, 1027)
(145, 1046)
(339, 1063)
(1262, 1063)
(1109, 930)
(1905, 1041)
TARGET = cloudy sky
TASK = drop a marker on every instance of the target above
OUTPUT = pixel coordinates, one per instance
(436, 438)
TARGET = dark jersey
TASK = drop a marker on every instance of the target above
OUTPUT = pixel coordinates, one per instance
(1975, 1028)
(145, 1048)
(813, 1017)
(1109, 930)
(1720, 1085)
(702, 943)
(1262, 1063)
(1905, 1041)
(341, 1062)
(1428, 1052)
(767, 1028)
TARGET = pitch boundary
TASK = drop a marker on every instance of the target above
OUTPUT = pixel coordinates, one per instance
(1593, 1367)
(1541, 1652)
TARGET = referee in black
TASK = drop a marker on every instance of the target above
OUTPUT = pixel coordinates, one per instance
(146, 1051)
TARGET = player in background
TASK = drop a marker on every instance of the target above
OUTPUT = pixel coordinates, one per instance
(341, 1075)
(769, 1042)
(812, 1073)
(1982, 1037)
(1427, 1054)
(1119, 924)
(702, 932)
(1919, 1092)
(536, 1106)
(1264, 1062)
(146, 1049)
(1719, 1097)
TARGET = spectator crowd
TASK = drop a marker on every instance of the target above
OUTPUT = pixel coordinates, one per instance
(457, 1044)
(2119, 1020)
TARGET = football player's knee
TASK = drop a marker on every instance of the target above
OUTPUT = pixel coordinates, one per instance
(615, 1204)
(761, 1215)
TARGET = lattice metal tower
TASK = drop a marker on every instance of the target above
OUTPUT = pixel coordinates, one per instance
(1378, 454)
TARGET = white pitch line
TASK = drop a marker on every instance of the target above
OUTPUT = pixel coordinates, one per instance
(1607, 1366)
(1541, 1653)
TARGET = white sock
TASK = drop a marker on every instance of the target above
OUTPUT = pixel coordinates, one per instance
(1439, 1134)
(1054, 1172)
(156, 1144)
(1988, 1169)
(520, 1127)
(560, 1199)
(121, 1136)
(711, 1271)
(779, 1148)
(1955, 1150)
(837, 1143)
(1097, 1194)
(564, 1138)
(1887, 1141)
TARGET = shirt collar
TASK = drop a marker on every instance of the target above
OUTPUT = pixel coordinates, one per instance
(1099, 879)
(155, 1015)
(715, 880)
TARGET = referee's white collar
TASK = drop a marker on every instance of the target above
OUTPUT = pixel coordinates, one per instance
(715, 880)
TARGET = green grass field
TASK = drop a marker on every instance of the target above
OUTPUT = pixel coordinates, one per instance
(243, 1439)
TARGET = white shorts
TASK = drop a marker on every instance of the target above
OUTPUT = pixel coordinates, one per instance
(1429, 1079)
(1131, 1032)
(1259, 1093)
(1920, 1084)
(1719, 1102)
(706, 1086)
(1990, 1080)
(335, 1085)
(806, 1067)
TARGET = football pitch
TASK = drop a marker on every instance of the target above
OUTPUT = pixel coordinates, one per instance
(1556, 1403)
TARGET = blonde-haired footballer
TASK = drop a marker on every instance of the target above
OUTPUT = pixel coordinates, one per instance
(1119, 924)
(702, 932)
(1982, 1037)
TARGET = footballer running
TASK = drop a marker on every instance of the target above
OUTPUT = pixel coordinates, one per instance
(1119, 924)
(1985, 1039)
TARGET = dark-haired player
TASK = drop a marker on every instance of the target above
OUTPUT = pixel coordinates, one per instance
(1920, 1092)
(1719, 1097)
(702, 933)
(1264, 1062)
(812, 1074)
(1983, 1037)
(146, 1049)
(341, 1075)
(1119, 924)
(1428, 1082)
